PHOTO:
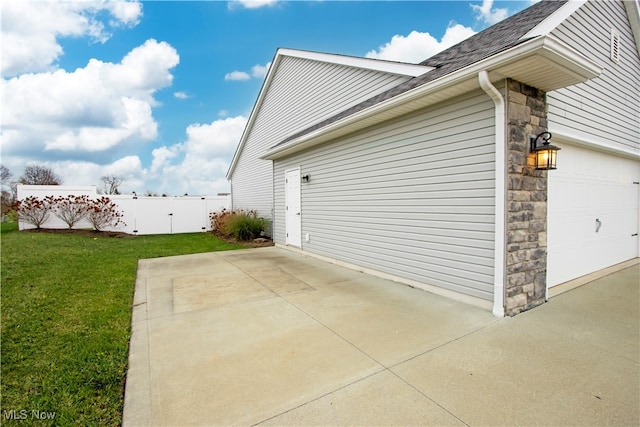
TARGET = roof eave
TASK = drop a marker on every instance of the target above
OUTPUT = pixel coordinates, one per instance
(542, 62)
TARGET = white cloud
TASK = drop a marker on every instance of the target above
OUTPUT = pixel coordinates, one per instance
(145, 69)
(72, 120)
(30, 29)
(257, 71)
(91, 109)
(237, 76)
(200, 163)
(251, 4)
(125, 12)
(218, 139)
(162, 157)
(417, 46)
(79, 172)
(130, 169)
(138, 123)
(486, 14)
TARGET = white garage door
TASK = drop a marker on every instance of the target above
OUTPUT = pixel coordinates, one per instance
(592, 213)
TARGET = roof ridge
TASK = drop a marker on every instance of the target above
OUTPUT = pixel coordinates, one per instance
(382, 65)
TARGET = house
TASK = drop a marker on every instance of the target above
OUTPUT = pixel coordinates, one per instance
(422, 172)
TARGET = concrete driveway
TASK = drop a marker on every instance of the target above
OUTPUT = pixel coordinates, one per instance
(268, 336)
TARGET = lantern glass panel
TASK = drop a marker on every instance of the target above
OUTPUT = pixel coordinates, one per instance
(546, 158)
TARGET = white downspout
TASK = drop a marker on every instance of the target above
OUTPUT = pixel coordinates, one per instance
(500, 195)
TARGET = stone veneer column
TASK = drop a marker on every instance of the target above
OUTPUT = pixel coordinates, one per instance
(526, 228)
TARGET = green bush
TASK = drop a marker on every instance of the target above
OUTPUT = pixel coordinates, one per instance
(241, 224)
(245, 227)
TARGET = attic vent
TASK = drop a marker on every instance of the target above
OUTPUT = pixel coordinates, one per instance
(615, 46)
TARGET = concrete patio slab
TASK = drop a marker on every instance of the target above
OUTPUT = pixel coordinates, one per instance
(212, 366)
(389, 322)
(268, 336)
(572, 361)
(512, 374)
(379, 400)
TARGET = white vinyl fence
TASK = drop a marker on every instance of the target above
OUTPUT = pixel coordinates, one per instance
(141, 214)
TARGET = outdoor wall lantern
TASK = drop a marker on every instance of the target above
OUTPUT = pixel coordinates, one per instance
(306, 178)
(543, 157)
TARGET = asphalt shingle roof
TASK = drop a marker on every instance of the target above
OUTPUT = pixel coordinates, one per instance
(486, 43)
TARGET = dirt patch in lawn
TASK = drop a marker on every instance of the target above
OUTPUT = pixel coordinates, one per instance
(256, 243)
(91, 233)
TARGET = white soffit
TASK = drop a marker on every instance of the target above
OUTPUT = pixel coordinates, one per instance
(553, 66)
(401, 68)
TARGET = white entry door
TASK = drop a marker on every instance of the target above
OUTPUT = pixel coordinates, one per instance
(293, 222)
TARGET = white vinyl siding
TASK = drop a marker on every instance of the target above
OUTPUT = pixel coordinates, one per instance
(413, 197)
(605, 110)
(302, 92)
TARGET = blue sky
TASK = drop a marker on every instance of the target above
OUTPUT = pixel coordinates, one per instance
(159, 92)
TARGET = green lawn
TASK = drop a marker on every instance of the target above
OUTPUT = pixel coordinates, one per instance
(66, 313)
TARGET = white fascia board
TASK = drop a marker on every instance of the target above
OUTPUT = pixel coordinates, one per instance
(254, 113)
(556, 18)
(401, 68)
(576, 64)
(236, 154)
(633, 13)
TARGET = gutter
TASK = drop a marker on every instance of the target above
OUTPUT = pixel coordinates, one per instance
(499, 273)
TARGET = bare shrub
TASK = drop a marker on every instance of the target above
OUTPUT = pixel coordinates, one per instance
(218, 220)
(103, 213)
(71, 209)
(35, 211)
